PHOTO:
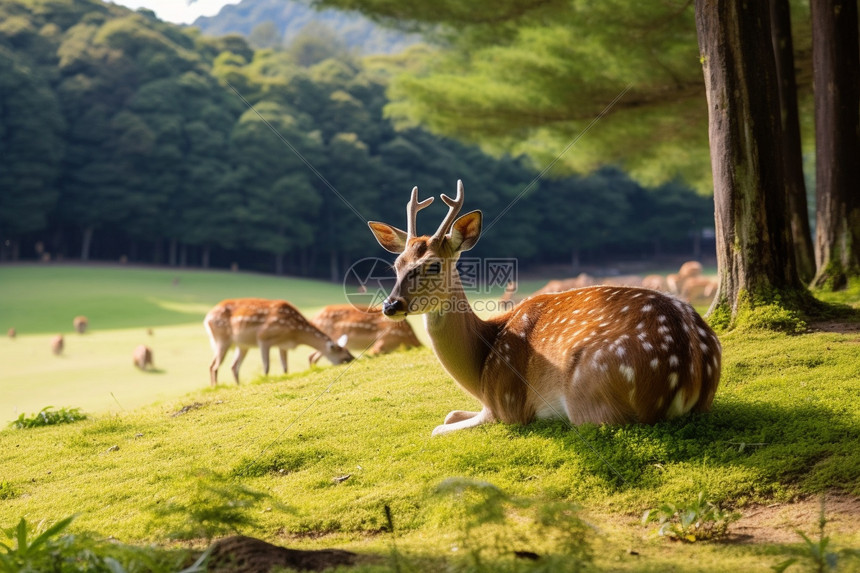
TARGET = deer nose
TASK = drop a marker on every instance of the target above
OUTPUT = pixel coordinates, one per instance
(391, 307)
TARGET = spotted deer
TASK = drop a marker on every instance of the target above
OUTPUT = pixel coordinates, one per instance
(598, 354)
(248, 322)
(365, 328)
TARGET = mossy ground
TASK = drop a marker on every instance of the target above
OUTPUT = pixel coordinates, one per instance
(312, 459)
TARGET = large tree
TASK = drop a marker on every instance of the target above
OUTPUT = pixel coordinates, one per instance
(837, 140)
(754, 247)
(792, 155)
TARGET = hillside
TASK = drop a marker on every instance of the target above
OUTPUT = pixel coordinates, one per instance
(290, 17)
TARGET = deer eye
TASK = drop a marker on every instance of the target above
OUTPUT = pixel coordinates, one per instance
(433, 268)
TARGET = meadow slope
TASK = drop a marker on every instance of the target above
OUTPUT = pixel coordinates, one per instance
(313, 458)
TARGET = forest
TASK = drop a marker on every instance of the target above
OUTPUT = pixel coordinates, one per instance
(126, 138)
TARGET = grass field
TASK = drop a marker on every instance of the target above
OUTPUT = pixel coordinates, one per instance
(312, 459)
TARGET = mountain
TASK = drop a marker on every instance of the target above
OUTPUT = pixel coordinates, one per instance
(290, 17)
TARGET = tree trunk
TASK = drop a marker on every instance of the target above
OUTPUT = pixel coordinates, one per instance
(204, 256)
(795, 185)
(334, 267)
(836, 81)
(754, 249)
(279, 264)
(86, 243)
(183, 255)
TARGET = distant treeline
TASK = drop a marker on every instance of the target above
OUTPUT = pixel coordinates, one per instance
(125, 137)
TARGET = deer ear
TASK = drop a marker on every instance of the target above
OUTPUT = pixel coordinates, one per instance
(465, 231)
(391, 238)
(342, 340)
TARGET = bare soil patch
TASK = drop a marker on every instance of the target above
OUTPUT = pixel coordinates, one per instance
(780, 522)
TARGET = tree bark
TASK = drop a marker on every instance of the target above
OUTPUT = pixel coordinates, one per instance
(836, 81)
(754, 250)
(795, 185)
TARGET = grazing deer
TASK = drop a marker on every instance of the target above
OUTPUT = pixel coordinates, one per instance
(364, 327)
(81, 323)
(142, 357)
(247, 322)
(12, 333)
(599, 354)
(57, 344)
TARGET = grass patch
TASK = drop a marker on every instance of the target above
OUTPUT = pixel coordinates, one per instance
(313, 459)
(47, 416)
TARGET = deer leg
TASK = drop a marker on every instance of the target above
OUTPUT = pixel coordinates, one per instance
(220, 352)
(283, 354)
(314, 357)
(237, 362)
(482, 417)
(458, 415)
(264, 352)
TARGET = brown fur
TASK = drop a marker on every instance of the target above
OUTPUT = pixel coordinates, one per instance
(57, 344)
(142, 357)
(81, 323)
(12, 333)
(366, 328)
(249, 322)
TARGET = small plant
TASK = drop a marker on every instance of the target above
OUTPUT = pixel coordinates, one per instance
(52, 549)
(691, 521)
(49, 417)
(817, 553)
(6, 490)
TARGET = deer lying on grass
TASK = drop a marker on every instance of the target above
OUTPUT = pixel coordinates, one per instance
(599, 354)
(365, 328)
(247, 322)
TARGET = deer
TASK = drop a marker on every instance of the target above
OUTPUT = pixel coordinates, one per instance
(365, 327)
(249, 322)
(597, 354)
(57, 344)
(81, 323)
(142, 357)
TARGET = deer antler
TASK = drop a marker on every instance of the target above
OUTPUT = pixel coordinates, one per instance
(454, 206)
(412, 209)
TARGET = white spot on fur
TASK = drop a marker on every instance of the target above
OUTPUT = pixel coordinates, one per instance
(628, 372)
(620, 351)
(647, 346)
(655, 363)
(673, 361)
(647, 308)
(673, 380)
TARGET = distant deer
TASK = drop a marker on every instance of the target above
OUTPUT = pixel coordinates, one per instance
(81, 323)
(248, 322)
(57, 344)
(142, 357)
(12, 333)
(365, 328)
(601, 354)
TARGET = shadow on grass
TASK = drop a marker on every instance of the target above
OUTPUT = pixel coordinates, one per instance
(805, 445)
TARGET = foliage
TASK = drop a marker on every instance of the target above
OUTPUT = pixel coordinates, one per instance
(47, 416)
(154, 143)
(691, 521)
(6, 490)
(816, 553)
(54, 550)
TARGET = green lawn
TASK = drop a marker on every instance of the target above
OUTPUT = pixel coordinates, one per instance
(327, 449)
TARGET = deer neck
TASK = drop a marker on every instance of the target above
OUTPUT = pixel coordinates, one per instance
(315, 338)
(460, 339)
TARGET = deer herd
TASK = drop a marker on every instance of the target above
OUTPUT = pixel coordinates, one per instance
(621, 350)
